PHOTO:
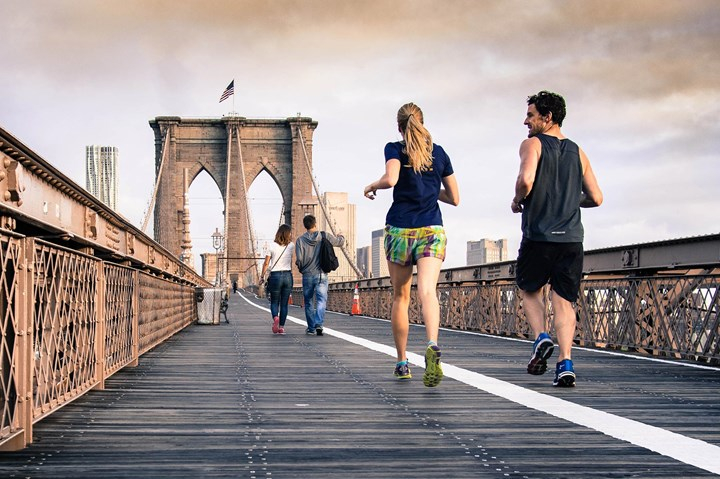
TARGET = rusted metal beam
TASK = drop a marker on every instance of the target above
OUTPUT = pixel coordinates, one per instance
(644, 258)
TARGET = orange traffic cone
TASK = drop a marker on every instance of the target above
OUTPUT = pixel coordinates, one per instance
(356, 302)
(290, 300)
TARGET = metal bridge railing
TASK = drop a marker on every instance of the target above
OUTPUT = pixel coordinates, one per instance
(120, 317)
(165, 308)
(64, 325)
(674, 316)
(13, 329)
(83, 293)
(69, 321)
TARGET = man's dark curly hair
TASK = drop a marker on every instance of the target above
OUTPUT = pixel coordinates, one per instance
(549, 102)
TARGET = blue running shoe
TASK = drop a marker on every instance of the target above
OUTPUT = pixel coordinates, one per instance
(542, 350)
(564, 374)
(433, 371)
(402, 370)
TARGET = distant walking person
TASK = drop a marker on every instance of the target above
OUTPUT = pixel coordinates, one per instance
(420, 174)
(280, 282)
(314, 280)
(554, 182)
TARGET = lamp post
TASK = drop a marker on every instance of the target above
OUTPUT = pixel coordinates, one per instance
(218, 239)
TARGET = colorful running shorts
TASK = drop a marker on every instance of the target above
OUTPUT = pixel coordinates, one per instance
(405, 245)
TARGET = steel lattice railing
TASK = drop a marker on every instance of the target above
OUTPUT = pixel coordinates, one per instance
(120, 317)
(65, 319)
(83, 293)
(69, 321)
(667, 315)
(10, 258)
(673, 316)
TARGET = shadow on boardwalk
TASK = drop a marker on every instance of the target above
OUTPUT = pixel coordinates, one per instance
(233, 400)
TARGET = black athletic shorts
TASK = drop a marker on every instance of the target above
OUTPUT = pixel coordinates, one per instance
(560, 264)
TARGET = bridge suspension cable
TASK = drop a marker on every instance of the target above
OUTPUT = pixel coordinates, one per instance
(153, 197)
(251, 226)
(281, 220)
(324, 210)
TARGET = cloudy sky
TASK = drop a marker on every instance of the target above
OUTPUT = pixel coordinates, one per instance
(641, 79)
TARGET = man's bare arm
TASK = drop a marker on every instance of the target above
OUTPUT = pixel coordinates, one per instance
(592, 195)
(530, 151)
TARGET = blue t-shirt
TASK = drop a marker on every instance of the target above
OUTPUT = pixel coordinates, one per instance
(415, 195)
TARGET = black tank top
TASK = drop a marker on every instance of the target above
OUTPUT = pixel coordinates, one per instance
(551, 212)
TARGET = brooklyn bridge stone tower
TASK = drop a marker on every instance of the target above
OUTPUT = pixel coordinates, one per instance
(233, 151)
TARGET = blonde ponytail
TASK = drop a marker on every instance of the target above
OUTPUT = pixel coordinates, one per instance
(418, 141)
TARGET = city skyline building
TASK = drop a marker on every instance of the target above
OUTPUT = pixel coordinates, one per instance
(363, 255)
(101, 174)
(379, 263)
(342, 215)
(486, 251)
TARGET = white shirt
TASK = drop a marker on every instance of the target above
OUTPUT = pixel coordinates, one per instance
(284, 263)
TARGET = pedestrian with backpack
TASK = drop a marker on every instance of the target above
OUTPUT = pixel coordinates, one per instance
(421, 175)
(310, 258)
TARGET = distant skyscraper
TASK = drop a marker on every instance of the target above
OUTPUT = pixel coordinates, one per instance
(101, 173)
(342, 214)
(379, 263)
(486, 251)
(363, 260)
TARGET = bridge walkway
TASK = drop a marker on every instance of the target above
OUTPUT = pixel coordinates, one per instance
(232, 400)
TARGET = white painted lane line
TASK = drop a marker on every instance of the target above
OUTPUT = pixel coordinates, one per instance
(595, 351)
(635, 357)
(685, 449)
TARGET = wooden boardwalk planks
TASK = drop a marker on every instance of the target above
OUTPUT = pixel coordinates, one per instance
(235, 401)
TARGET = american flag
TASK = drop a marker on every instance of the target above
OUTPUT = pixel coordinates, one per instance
(230, 90)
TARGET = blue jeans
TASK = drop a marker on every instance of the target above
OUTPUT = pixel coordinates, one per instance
(315, 286)
(280, 286)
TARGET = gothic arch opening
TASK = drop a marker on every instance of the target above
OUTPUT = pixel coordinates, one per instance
(206, 214)
(266, 209)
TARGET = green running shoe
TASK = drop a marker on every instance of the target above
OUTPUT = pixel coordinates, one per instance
(433, 371)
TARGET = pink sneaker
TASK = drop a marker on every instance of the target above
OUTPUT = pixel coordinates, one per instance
(281, 330)
(276, 325)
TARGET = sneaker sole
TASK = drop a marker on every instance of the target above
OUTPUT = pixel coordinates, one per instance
(409, 376)
(566, 380)
(538, 363)
(537, 366)
(433, 371)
